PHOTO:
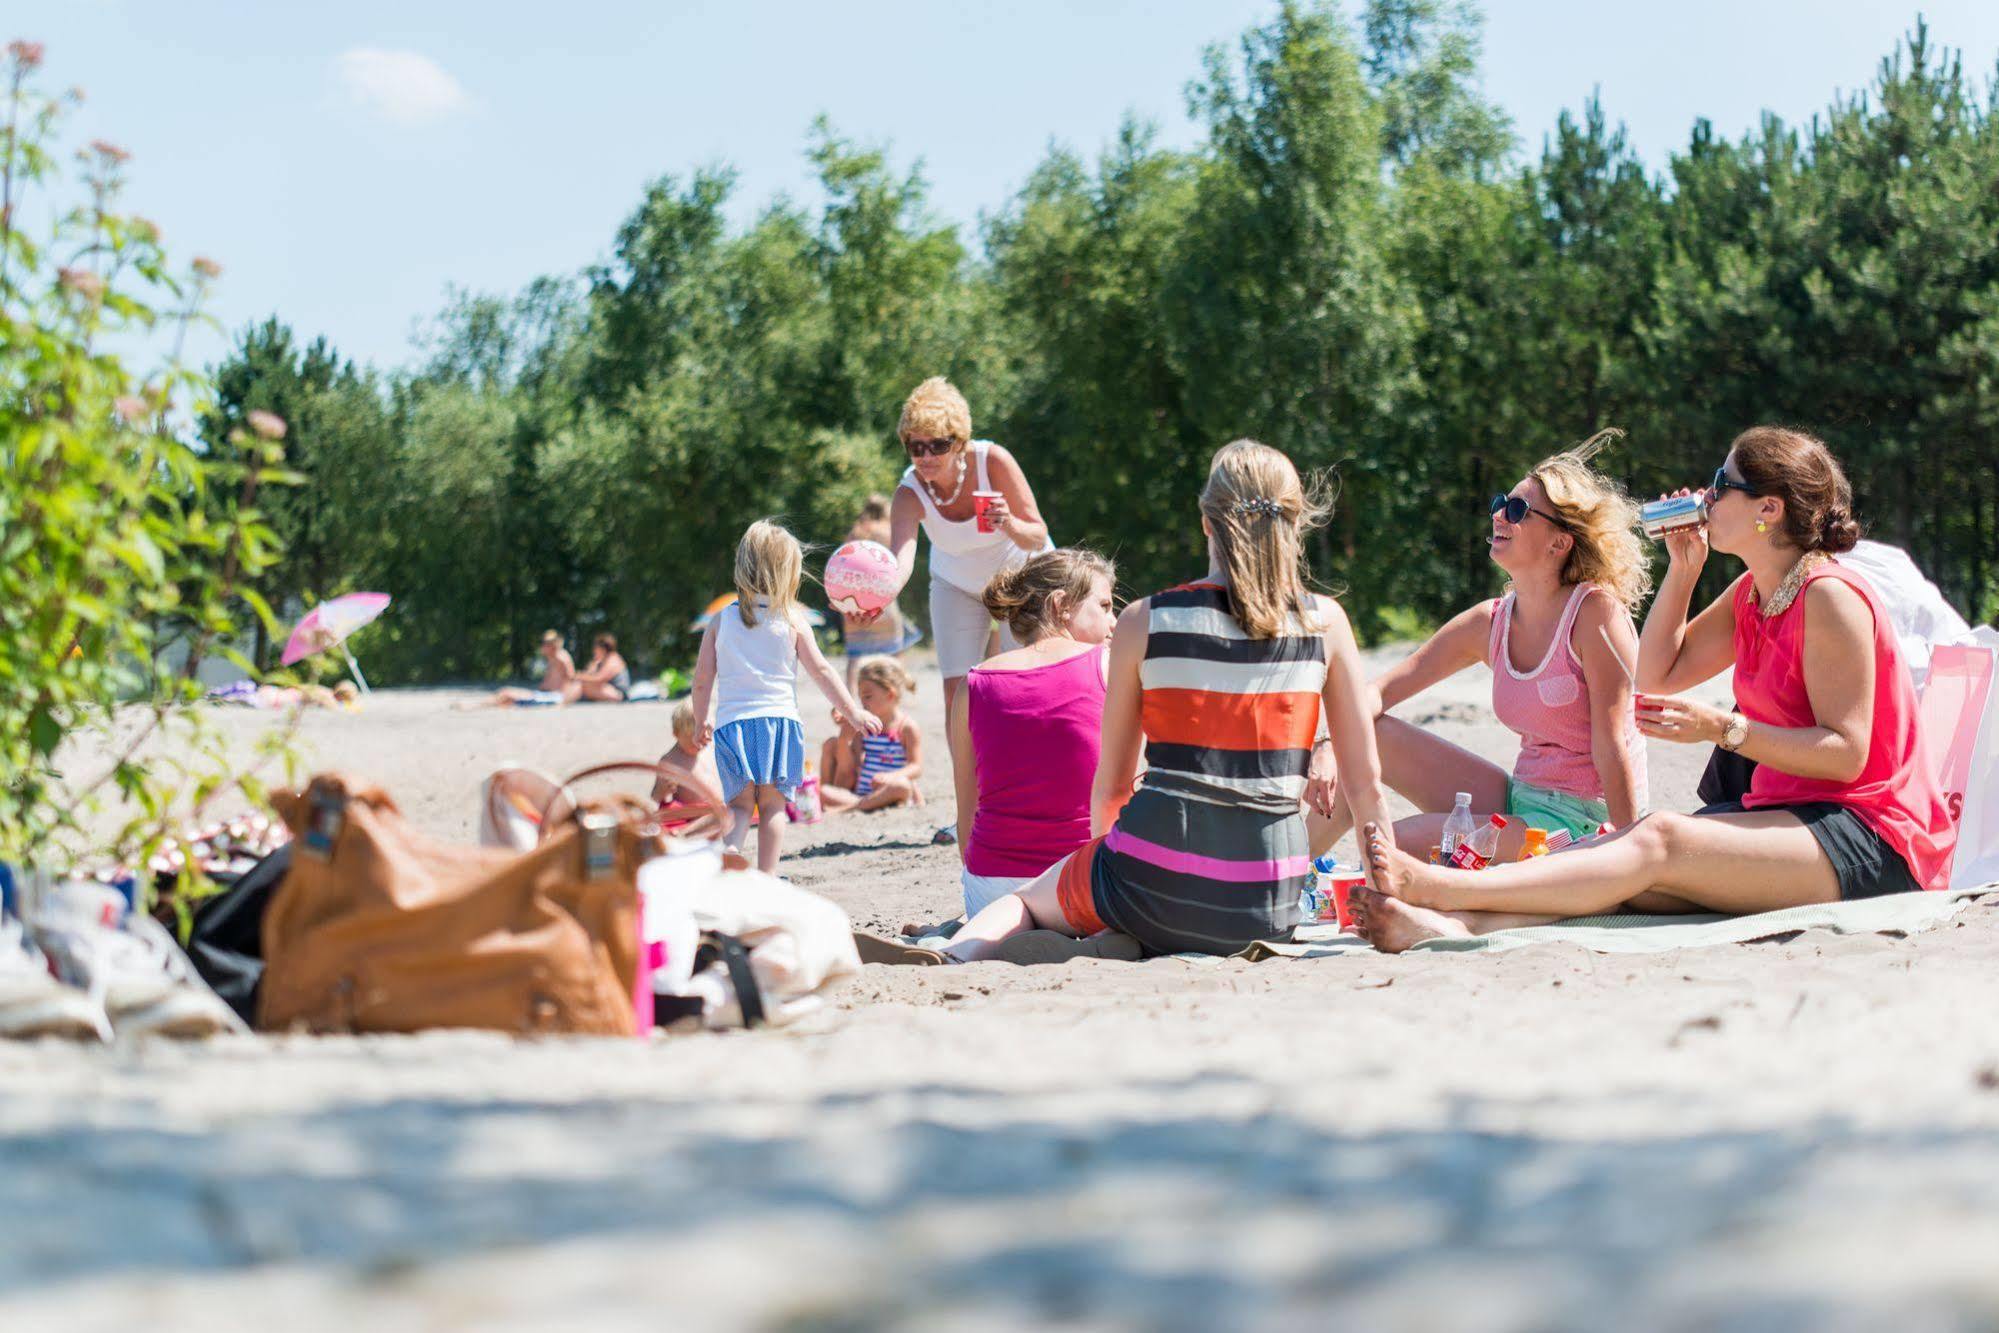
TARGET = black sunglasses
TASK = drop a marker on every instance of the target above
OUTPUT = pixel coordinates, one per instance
(1723, 482)
(1517, 509)
(931, 448)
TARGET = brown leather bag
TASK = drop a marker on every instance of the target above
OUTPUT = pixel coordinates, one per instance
(379, 928)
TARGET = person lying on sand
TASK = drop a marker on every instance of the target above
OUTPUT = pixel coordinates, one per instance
(559, 670)
(1841, 804)
(1557, 643)
(1222, 682)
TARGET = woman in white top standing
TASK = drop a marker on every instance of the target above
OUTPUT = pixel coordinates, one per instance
(748, 672)
(972, 499)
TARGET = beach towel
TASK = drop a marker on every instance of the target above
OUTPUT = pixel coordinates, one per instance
(1894, 913)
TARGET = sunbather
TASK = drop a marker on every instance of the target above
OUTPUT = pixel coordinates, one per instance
(556, 676)
(1558, 643)
(1841, 803)
(607, 680)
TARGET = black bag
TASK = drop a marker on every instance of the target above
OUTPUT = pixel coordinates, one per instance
(226, 943)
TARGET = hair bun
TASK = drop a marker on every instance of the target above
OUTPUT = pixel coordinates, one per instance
(1839, 531)
(1006, 594)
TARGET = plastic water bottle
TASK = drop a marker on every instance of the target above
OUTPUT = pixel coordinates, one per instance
(1457, 829)
(1478, 853)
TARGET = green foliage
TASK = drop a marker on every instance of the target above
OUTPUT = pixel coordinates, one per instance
(120, 544)
(1356, 263)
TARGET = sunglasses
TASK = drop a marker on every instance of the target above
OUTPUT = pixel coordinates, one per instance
(1517, 509)
(1723, 482)
(929, 448)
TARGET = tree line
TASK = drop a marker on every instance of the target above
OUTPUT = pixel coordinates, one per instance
(1358, 263)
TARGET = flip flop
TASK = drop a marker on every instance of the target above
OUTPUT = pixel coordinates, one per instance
(1052, 946)
(878, 949)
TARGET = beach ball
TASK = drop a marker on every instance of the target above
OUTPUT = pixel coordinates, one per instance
(860, 577)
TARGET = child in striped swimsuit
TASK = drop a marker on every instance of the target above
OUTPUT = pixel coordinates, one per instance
(1222, 683)
(888, 763)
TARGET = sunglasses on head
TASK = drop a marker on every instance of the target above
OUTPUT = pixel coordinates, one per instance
(929, 448)
(1723, 482)
(1517, 509)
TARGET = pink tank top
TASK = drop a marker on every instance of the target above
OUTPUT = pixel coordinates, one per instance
(1896, 794)
(1035, 736)
(1549, 708)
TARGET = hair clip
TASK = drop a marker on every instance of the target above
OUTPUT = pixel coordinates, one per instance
(1260, 505)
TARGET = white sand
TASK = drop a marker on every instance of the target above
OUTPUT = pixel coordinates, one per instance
(1800, 1135)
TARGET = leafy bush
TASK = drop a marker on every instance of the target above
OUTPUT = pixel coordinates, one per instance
(121, 544)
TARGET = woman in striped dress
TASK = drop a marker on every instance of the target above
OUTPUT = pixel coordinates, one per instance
(1222, 683)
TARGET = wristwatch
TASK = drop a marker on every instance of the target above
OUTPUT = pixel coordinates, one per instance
(1738, 732)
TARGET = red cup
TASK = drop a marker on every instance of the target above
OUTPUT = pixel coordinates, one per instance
(982, 502)
(1342, 885)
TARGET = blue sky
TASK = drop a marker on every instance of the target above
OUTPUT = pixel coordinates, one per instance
(346, 162)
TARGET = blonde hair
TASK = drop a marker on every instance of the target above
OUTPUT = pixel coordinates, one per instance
(1600, 518)
(1022, 598)
(769, 565)
(685, 724)
(935, 410)
(1259, 510)
(886, 672)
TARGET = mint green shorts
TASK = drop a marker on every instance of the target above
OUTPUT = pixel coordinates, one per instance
(1550, 810)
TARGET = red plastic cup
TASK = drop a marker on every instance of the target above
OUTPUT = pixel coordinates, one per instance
(1342, 885)
(982, 502)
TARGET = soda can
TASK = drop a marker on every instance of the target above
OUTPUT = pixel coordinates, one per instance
(1675, 513)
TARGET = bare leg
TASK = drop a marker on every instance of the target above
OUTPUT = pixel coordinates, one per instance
(1426, 770)
(771, 820)
(1391, 925)
(1757, 861)
(888, 792)
(740, 805)
(836, 800)
(1034, 906)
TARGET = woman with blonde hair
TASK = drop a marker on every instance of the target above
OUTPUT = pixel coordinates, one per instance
(1222, 683)
(1558, 642)
(1842, 803)
(973, 501)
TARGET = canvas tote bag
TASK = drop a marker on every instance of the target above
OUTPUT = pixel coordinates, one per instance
(380, 928)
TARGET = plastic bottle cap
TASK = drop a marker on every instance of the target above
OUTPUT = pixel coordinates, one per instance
(1501, 821)
(1464, 798)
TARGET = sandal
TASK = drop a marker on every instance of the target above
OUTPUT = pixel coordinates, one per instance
(877, 949)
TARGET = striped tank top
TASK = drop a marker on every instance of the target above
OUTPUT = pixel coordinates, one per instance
(1210, 853)
(880, 753)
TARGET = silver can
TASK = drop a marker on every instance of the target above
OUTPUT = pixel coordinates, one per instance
(1675, 513)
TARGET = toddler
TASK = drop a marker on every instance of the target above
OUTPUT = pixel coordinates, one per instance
(885, 763)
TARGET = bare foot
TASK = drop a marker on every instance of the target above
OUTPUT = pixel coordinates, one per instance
(1392, 925)
(1400, 875)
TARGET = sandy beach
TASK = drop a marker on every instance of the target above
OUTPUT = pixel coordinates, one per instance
(1800, 1134)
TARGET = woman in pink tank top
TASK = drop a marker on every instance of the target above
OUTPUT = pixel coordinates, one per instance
(1028, 725)
(1841, 803)
(1559, 644)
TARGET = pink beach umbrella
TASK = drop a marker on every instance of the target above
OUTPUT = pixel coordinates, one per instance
(328, 625)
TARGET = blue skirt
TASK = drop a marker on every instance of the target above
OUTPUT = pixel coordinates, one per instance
(767, 751)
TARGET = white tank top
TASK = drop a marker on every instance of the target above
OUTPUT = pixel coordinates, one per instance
(960, 554)
(756, 667)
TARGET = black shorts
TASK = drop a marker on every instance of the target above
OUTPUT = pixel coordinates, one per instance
(1863, 862)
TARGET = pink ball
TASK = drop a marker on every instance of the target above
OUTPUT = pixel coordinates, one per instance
(860, 577)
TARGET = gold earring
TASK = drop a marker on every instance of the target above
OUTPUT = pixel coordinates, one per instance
(1761, 526)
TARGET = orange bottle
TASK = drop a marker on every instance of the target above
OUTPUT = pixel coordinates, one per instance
(1536, 844)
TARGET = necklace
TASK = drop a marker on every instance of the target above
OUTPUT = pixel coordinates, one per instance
(1787, 591)
(957, 484)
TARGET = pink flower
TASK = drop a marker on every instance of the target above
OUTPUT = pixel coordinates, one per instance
(145, 229)
(27, 55)
(130, 407)
(207, 267)
(110, 152)
(267, 424)
(82, 281)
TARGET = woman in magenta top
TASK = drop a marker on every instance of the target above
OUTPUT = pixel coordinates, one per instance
(1841, 803)
(1027, 726)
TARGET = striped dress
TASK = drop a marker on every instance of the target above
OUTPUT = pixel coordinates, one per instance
(1210, 853)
